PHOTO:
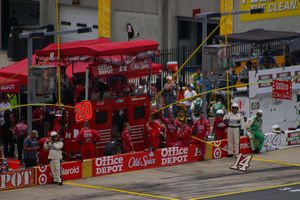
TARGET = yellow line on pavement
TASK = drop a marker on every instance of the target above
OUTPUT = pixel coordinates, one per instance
(118, 190)
(276, 162)
(245, 191)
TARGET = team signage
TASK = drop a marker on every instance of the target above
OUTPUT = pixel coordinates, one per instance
(282, 89)
(293, 137)
(10, 88)
(272, 8)
(274, 141)
(17, 179)
(83, 111)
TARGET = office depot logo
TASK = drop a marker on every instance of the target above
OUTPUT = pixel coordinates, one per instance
(10, 180)
(108, 165)
(174, 155)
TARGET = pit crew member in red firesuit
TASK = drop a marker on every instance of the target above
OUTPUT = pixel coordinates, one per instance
(126, 139)
(42, 152)
(219, 128)
(153, 131)
(184, 131)
(87, 139)
(55, 145)
(201, 127)
(172, 126)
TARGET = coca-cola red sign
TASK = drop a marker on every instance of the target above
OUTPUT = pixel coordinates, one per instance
(282, 89)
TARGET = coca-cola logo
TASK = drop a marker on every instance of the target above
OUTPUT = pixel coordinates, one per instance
(109, 164)
(141, 162)
(174, 155)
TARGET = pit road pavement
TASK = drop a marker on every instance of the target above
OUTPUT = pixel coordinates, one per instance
(273, 177)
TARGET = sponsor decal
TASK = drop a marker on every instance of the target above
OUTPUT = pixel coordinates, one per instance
(174, 155)
(108, 165)
(17, 179)
(144, 161)
(293, 138)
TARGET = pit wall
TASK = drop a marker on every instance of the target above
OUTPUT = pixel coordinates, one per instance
(140, 160)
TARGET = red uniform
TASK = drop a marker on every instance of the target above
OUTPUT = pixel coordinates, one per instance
(126, 141)
(171, 134)
(184, 135)
(202, 127)
(43, 153)
(154, 133)
(87, 137)
(219, 129)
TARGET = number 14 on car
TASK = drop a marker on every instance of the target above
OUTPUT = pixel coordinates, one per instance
(241, 163)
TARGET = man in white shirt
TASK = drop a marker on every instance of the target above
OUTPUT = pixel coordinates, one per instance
(234, 121)
(188, 94)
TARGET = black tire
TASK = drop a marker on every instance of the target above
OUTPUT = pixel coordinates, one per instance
(113, 148)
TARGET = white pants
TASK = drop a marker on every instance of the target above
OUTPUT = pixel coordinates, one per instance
(55, 170)
(233, 138)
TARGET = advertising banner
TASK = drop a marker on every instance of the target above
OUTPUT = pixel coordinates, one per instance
(70, 171)
(293, 137)
(13, 88)
(274, 141)
(273, 9)
(282, 89)
(17, 179)
(227, 26)
(144, 160)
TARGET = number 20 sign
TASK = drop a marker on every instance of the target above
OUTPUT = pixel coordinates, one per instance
(83, 111)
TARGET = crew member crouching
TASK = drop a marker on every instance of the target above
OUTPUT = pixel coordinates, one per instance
(54, 145)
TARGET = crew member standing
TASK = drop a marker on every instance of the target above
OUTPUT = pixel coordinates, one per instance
(153, 131)
(219, 128)
(20, 131)
(126, 139)
(254, 127)
(55, 145)
(87, 139)
(234, 122)
(184, 133)
(202, 128)
(172, 126)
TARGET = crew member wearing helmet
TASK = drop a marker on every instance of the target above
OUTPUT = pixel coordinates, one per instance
(126, 139)
(184, 132)
(188, 95)
(218, 105)
(172, 126)
(219, 128)
(254, 127)
(276, 129)
(201, 127)
(170, 94)
(87, 139)
(234, 121)
(153, 128)
(55, 145)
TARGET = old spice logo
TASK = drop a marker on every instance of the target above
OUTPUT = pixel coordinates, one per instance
(141, 162)
(109, 164)
(73, 170)
(174, 155)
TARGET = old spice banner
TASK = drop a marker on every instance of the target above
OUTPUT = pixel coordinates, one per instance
(70, 171)
(282, 89)
(17, 179)
(144, 160)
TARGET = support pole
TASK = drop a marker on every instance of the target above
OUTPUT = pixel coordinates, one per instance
(29, 85)
(87, 84)
(227, 89)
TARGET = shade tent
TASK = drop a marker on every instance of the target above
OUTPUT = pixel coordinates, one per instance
(259, 36)
(102, 49)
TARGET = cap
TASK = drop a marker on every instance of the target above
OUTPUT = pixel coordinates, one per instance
(234, 105)
(53, 134)
(220, 112)
(169, 78)
(191, 85)
(35, 132)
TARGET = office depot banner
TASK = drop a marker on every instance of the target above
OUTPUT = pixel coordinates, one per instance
(145, 160)
(70, 171)
(17, 179)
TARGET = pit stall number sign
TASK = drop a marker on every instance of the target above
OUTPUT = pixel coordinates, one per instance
(83, 111)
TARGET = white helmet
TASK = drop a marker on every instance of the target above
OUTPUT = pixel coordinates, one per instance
(220, 112)
(53, 134)
(276, 128)
(169, 78)
(234, 105)
(259, 112)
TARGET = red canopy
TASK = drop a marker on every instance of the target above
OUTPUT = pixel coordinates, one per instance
(100, 49)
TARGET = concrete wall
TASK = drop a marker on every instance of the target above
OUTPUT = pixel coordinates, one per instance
(279, 24)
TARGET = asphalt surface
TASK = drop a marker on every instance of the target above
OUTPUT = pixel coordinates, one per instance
(274, 178)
